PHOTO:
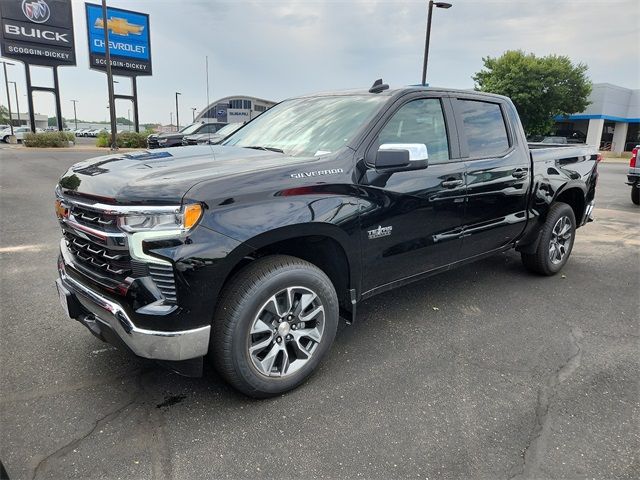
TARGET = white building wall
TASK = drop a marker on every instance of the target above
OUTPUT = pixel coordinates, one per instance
(619, 137)
(594, 132)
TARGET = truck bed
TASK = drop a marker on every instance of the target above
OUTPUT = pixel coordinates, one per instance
(543, 152)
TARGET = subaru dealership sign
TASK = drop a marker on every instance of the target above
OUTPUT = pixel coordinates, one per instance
(129, 40)
(37, 32)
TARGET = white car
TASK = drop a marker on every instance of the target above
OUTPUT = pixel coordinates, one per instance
(17, 131)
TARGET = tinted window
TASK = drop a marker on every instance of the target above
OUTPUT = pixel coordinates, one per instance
(484, 128)
(419, 121)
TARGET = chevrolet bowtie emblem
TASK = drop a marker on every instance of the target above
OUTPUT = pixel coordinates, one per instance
(120, 26)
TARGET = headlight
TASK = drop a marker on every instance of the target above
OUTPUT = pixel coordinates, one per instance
(171, 220)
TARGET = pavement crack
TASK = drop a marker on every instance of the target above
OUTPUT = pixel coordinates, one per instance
(99, 424)
(538, 437)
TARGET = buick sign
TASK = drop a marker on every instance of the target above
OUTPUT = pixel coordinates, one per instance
(37, 32)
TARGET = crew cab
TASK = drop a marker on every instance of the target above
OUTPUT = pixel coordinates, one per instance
(247, 253)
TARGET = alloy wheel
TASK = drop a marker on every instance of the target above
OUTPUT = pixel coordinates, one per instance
(286, 332)
(560, 242)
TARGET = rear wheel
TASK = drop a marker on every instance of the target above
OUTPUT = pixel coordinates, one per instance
(635, 194)
(556, 241)
(276, 320)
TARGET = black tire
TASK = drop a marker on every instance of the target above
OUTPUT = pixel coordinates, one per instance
(540, 261)
(5, 139)
(635, 194)
(243, 299)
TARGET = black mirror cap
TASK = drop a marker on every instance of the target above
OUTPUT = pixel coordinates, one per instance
(397, 161)
(386, 159)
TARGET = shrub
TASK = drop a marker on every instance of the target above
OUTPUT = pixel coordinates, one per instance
(48, 139)
(124, 139)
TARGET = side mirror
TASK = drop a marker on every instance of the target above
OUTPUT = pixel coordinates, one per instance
(402, 157)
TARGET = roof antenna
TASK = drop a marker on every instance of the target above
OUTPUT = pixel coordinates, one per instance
(378, 86)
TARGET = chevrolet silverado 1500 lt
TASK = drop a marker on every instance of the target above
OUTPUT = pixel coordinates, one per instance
(247, 253)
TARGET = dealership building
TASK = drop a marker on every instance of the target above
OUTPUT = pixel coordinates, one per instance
(22, 119)
(611, 121)
(234, 109)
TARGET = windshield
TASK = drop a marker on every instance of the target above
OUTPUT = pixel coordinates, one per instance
(308, 126)
(229, 129)
(190, 128)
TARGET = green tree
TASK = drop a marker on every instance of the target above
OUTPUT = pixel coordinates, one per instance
(4, 115)
(123, 121)
(53, 122)
(540, 87)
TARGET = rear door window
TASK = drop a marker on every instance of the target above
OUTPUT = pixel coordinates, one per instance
(484, 128)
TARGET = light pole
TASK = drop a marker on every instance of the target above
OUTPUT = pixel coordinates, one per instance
(177, 114)
(107, 57)
(15, 89)
(129, 118)
(426, 42)
(75, 117)
(170, 119)
(193, 114)
(6, 82)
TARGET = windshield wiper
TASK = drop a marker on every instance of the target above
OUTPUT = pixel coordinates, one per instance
(270, 149)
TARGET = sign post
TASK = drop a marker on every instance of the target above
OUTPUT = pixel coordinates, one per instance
(128, 47)
(112, 102)
(38, 32)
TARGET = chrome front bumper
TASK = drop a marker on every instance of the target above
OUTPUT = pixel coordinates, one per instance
(99, 312)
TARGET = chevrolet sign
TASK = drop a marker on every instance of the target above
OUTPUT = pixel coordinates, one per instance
(129, 40)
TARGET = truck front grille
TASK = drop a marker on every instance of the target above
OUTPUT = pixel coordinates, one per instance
(95, 219)
(97, 258)
(100, 250)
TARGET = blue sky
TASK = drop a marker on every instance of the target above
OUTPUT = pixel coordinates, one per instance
(276, 49)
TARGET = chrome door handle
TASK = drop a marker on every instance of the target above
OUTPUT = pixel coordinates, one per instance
(452, 183)
(519, 173)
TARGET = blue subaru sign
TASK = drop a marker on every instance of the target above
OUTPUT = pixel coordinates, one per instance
(129, 40)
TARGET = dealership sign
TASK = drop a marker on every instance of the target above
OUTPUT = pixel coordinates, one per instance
(129, 40)
(37, 32)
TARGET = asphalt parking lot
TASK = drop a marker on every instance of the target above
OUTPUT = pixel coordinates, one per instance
(484, 372)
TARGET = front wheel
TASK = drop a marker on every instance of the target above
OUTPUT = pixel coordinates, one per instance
(635, 194)
(276, 320)
(556, 241)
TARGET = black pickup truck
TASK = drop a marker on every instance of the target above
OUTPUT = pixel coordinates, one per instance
(247, 253)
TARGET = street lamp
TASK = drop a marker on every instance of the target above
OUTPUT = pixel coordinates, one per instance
(75, 117)
(193, 114)
(426, 42)
(177, 114)
(107, 58)
(6, 82)
(15, 89)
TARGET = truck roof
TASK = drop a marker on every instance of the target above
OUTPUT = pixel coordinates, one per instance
(398, 91)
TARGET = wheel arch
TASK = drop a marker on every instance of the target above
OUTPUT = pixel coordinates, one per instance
(326, 246)
(574, 195)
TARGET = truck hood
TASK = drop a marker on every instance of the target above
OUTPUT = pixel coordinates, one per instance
(163, 175)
